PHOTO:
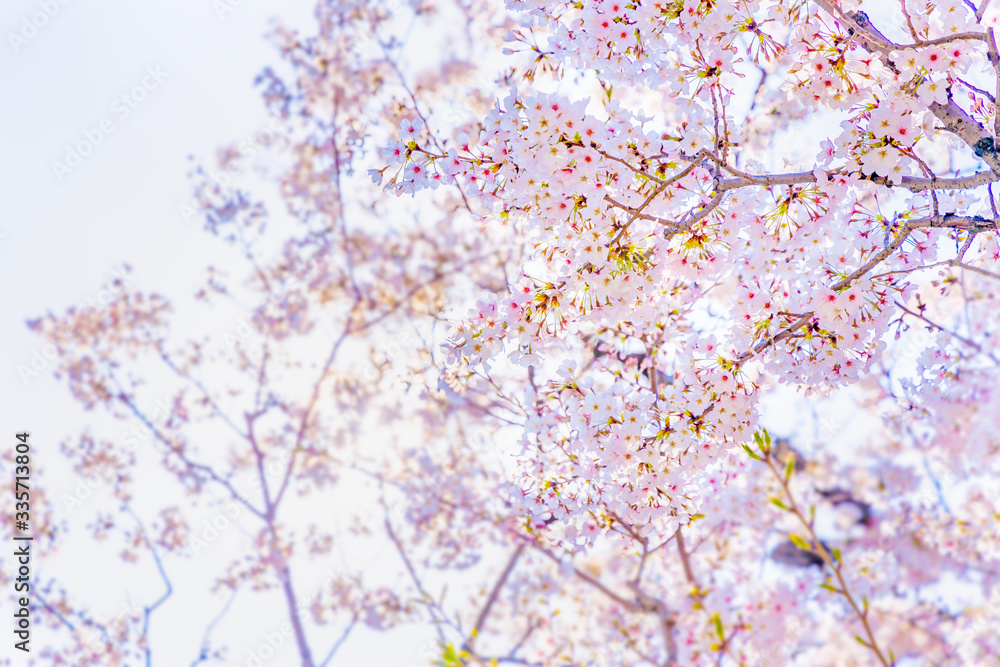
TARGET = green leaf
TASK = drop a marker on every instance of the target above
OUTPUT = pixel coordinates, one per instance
(861, 641)
(452, 658)
(780, 505)
(749, 451)
(799, 542)
(763, 440)
(718, 627)
(789, 467)
(836, 555)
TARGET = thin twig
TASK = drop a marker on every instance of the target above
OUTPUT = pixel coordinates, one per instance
(491, 600)
(968, 341)
(912, 183)
(339, 643)
(148, 610)
(205, 646)
(829, 560)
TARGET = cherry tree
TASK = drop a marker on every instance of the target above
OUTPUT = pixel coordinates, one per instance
(719, 198)
(241, 446)
(636, 251)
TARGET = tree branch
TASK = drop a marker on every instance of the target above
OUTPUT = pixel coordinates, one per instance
(911, 183)
(968, 341)
(948, 220)
(497, 587)
(339, 643)
(148, 610)
(203, 652)
(833, 564)
(955, 119)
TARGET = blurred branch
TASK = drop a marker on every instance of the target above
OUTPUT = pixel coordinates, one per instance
(481, 621)
(148, 610)
(340, 642)
(203, 651)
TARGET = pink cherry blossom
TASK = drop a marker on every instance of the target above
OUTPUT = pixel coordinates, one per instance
(683, 351)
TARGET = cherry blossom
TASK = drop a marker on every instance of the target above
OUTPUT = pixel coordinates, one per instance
(670, 326)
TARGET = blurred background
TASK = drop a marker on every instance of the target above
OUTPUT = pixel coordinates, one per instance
(175, 81)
